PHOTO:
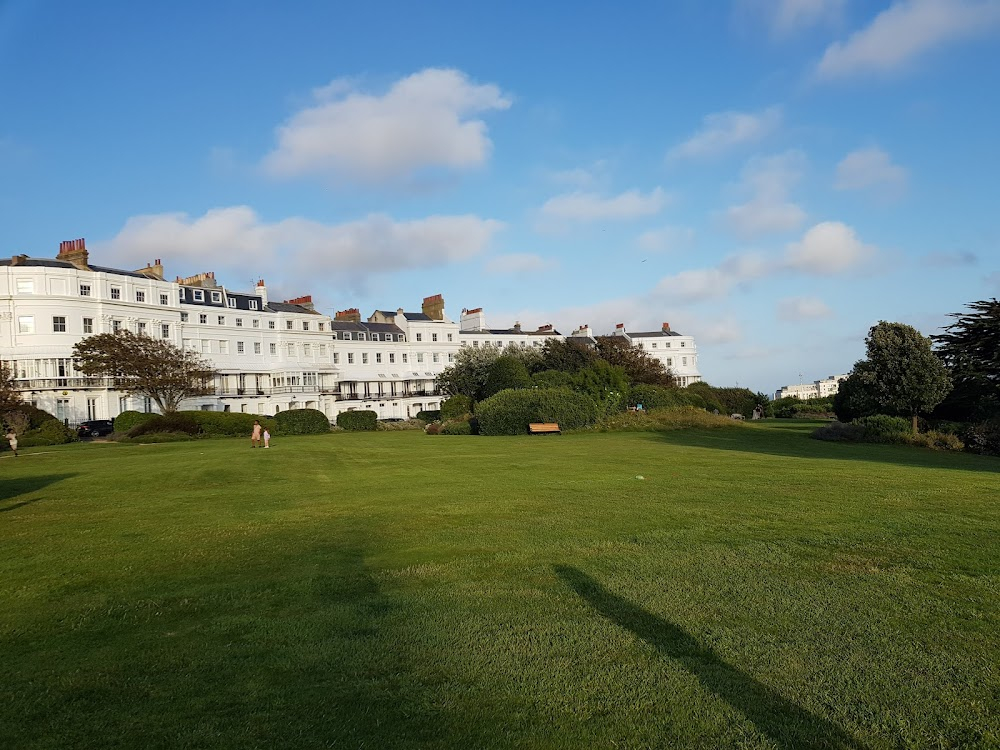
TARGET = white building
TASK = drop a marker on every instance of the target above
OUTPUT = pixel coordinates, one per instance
(271, 356)
(815, 389)
(677, 352)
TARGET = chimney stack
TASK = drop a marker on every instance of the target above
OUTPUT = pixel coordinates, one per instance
(74, 252)
(305, 301)
(433, 307)
(666, 328)
(261, 291)
(154, 270)
(350, 315)
(18, 260)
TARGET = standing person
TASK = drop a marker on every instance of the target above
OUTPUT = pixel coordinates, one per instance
(255, 435)
(267, 438)
(12, 439)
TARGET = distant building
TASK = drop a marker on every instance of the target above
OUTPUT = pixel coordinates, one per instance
(816, 389)
(676, 351)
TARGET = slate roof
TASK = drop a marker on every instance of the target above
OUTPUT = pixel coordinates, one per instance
(285, 307)
(653, 333)
(49, 263)
(418, 316)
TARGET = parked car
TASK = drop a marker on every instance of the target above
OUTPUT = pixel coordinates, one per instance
(392, 419)
(95, 428)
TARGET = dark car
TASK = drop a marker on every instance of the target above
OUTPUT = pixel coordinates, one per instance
(392, 419)
(95, 428)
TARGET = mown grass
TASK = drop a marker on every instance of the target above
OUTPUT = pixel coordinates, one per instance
(756, 589)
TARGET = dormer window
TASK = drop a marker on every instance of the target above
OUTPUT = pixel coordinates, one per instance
(217, 297)
(199, 295)
(231, 301)
(253, 304)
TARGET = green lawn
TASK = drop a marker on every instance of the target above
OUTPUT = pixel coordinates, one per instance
(755, 589)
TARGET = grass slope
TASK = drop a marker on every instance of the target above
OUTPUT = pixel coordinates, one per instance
(756, 589)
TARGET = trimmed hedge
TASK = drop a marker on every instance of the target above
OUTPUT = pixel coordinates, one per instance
(456, 407)
(510, 412)
(357, 421)
(880, 428)
(431, 415)
(165, 423)
(230, 423)
(456, 427)
(302, 422)
(51, 432)
(654, 397)
(129, 419)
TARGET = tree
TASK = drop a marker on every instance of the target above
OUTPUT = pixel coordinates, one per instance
(469, 374)
(639, 366)
(566, 355)
(970, 347)
(10, 396)
(142, 365)
(505, 372)
(902, 375)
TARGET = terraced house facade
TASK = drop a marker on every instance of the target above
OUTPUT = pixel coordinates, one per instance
(271, 356)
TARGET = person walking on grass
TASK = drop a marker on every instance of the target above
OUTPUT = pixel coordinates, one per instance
(12, 439)
(255, 435)
(267, 438)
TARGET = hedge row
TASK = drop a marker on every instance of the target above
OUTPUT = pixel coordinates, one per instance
(357, 421)
(509, 412)
(222, 423)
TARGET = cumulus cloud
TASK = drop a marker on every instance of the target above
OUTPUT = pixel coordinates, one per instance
(424, 121)
(768, 181)
(799, 308)
(870, 168)
(666, 239)
(237, 240)
(518, 263)
(723, 131)
(584, 206)
(830, 247)
(699, 284)
(905, 31)
(785, 17)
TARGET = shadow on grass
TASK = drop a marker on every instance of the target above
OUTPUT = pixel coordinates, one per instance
(12, 488)
(795, 441)
(785, 723)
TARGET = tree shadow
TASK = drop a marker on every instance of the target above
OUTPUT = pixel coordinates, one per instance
(12, 488)
(785, 723)
(795, 442)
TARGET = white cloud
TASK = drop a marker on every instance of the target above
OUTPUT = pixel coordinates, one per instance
(234, 239)
(583, 206)
(666, 239)
(701, 284)
(828, 248)
(518, 263)
(581, 177)
(768, 181)
(785, 17)
(799, 308)
(905, 31)
(868, 168)
(726, 130)
(422, 121)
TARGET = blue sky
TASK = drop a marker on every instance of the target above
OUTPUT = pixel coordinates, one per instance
(771, 176)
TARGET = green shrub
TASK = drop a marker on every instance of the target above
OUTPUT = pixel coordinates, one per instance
(455, 407)
(654, 397)
(230, 423)
(509, 412)
(30, 416)
(51, 432)
(357, 421)
(408, 424)
(429, 415)
(456, 427)
(302, 422)
(983, 438)
(880, 428)
(157, 437)
(676, 418)
(504, 373)
(164, 423)
(939, 441)
(129, 419)
(840, 432)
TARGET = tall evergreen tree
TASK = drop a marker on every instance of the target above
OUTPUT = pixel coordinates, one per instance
(970, 347)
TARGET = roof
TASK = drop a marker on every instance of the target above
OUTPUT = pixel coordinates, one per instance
(653, 333)
(383, 327)
(49, 263)
(285, 307)
(416, 316)
(345, 325)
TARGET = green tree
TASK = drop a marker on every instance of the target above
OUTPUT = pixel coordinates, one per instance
(469, 374)
(505, 372)
(566, 355)
(970, 347)
(142, 365)
(10, 396)
(639, 366)
(901, 375)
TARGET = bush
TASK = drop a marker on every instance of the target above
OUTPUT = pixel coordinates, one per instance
(653, 397)
(983, 438)
(30, 417)
(409, 424)
(659, 420)
(429, 415)
(509, 412)
(50, 432)
(455, 407)
(357, 421)
(840, 432)
(158, 437)
(162, 423)
(434, 428)
(939, 441)
(129, 419)
(230, 423)
(456, 427)
(880, 428)
(302, 422)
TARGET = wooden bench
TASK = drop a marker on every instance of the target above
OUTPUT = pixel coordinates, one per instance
(543, 428)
